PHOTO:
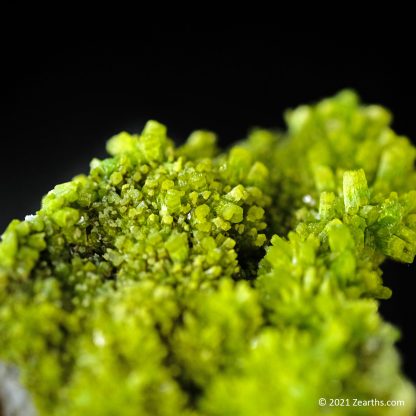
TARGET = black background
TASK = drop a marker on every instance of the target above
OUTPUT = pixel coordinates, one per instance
(64, 99)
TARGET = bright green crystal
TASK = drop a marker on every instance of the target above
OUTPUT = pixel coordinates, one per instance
(189, 281)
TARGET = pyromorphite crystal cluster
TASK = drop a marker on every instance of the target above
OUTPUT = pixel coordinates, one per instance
(190, 281)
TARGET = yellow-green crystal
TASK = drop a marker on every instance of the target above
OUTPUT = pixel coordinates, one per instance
(190, 281)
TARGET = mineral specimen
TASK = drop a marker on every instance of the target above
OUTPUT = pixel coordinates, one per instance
(190, 281)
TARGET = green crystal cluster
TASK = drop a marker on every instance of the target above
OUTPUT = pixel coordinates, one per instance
(193, 281)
